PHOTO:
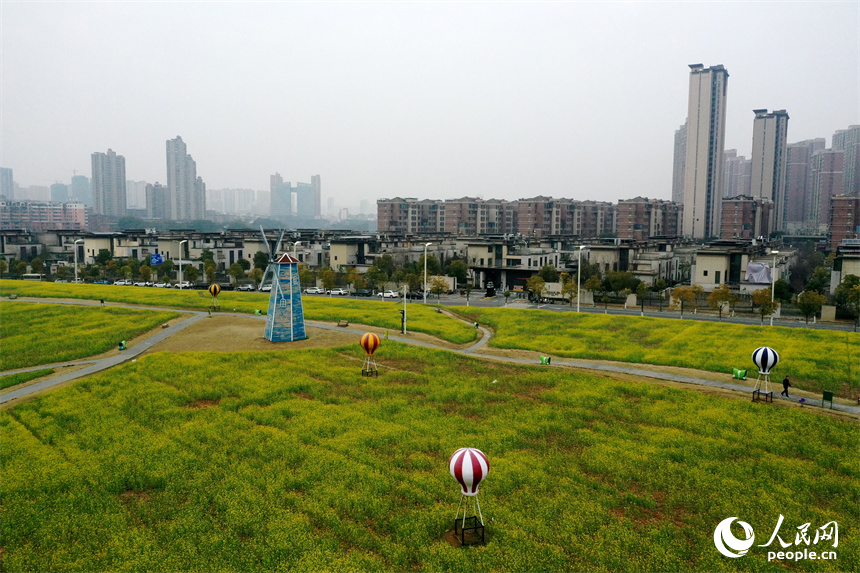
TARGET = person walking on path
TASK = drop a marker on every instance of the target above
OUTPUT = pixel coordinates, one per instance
(785, 385)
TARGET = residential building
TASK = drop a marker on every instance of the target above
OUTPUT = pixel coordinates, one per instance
(678, 164)
(302, 201)
(642, 218)
(157, 201)
(7, 184)
(737, 171)
(316, 184)
(798, 181)
(187, 191)
(59, 193)
(848, 142)
(109, 191)
(844, 220)
(846, 262)
(770, 138)
(746, 217)
(827, 180)
(706, 121)
(725, 262)
(81, 190)
(136, 194)
(37, 216)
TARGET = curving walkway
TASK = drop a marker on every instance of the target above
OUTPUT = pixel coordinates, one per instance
(98, 365)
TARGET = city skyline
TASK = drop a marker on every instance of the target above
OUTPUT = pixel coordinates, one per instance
(433, 100)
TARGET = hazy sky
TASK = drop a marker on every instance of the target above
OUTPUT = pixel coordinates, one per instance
(426, 100)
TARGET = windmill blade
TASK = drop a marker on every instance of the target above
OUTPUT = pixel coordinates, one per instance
(266, 242)
(265, 274)
(278, 246)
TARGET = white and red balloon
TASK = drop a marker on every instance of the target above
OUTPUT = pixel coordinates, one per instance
(469, 466)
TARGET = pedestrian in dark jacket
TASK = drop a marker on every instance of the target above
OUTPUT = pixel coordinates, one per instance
(785, 385)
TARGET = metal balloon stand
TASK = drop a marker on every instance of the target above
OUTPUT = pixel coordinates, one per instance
(369, 368)
(762, 390)
(474, 525)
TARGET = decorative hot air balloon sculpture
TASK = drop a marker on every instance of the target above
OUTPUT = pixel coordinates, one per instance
(214, 290)
(369, 342)
(469, 466)
(765, 359)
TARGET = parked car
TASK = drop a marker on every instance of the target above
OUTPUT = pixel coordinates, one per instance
(388, 294)
(267, 288)
(415, 295)
(101, 282)
(362, 292)
(227, 286)
(61, 281)
(162, 285)
(247, 287)
(123, 282)
(183, 284)
(338, 292)
(314, 290)
(140, 283)
(79, 281)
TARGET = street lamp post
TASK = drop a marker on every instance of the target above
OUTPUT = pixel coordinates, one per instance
(578, 274)
(75, 247)
(296, 244)
(180, 262)
(425, 271)
(773, 283)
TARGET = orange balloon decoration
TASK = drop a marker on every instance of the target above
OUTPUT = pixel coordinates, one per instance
(370, 342)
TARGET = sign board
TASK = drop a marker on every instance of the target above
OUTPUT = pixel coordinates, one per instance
(155, 259)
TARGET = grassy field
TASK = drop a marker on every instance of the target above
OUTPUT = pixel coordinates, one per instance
(36, 334)
(294, 461)
(814, 359)
(383, 314)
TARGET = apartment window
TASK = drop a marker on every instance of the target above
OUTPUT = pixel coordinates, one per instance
(705, 273)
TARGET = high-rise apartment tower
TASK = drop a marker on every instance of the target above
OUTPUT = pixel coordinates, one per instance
(186, 190)
(109, 184)
(706, 128)
(769, 160)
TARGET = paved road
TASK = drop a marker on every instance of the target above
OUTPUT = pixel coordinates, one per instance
(134, 351)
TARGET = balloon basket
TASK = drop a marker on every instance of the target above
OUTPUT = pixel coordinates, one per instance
(369, 368)
(762, 391)
(469, 530)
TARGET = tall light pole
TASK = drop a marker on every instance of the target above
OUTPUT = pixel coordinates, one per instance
(425, 271)
(773, 283)
(296, 244)
(75, 247)
(578, 274)
(180, 262)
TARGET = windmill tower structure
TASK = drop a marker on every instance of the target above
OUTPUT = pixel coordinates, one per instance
(285, 321)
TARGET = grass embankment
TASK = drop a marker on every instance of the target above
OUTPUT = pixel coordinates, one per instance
(36, 334)
(382, 314)
(294, 461)
(815, 360)
(20, 378)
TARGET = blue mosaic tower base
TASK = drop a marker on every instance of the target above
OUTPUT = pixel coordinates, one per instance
(285, 321)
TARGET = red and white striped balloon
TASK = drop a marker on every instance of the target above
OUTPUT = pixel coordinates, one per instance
(469, 466)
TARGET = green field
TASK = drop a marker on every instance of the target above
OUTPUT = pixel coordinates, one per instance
(294, 461)
(382, 314)
(814, 359)
(36, 334)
